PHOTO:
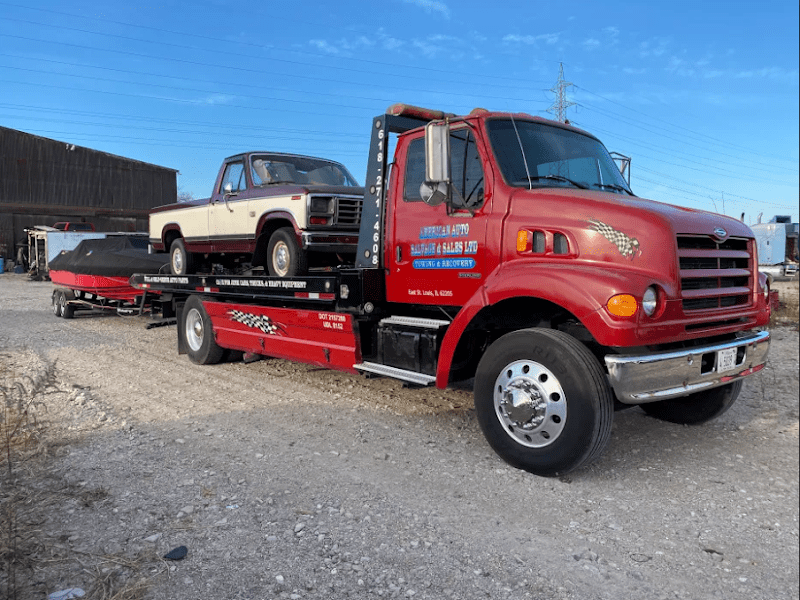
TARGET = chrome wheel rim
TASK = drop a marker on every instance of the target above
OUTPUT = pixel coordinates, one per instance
(194, 329)
(280, 258)
(530, 403)
(177, 262)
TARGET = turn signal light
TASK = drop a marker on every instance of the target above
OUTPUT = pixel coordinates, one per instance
(522, 240)
(622, 305)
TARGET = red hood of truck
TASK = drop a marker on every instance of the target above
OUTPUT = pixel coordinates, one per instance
(630, 209)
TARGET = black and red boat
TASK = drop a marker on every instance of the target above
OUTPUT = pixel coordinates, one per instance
(95, 275)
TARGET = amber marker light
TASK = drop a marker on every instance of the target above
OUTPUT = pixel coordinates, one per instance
(522, 240)
(622, 305)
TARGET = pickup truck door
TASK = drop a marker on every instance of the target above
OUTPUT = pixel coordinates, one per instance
(229, 228)
(436, 254)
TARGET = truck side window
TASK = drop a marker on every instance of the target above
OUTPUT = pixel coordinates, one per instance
(465, 168)
(234, 174)
(415, 170)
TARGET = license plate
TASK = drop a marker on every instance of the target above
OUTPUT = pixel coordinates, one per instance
(726, 360)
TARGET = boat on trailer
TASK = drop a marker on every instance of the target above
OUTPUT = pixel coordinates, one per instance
(96, 275)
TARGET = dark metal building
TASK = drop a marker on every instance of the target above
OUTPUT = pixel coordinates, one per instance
(43, 181)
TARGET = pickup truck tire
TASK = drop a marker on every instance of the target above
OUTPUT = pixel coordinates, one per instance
(543, 401)
(696, 408)
(201, 347)
(180, 261)
(284, 256)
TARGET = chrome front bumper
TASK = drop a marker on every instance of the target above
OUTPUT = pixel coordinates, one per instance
(660, 376)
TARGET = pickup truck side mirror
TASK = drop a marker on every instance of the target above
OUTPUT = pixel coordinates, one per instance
(436, 187)
(228, 189)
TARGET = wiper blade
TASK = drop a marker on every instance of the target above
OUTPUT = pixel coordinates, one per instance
(613, 186)
(559, 178)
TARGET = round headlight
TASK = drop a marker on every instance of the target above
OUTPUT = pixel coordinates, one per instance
(650, 301)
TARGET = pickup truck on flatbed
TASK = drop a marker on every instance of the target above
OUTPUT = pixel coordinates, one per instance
(509, 249)
(270, 210)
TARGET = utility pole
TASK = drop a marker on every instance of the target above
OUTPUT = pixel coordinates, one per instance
(560, 105)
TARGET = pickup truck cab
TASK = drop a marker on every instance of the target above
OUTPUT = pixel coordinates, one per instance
(277, 211)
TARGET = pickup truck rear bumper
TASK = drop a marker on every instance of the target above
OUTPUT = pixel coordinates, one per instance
(330, 242)
(659, 376)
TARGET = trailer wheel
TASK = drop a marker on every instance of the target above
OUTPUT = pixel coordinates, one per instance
(284, 256)
(56, 300)
(180, 261)
(201, 346)
(543, 402)
(696, 408)
(67, 310)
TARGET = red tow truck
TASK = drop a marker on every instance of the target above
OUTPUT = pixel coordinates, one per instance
(509, 249)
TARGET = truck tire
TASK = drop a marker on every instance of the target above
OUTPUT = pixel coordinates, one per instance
(180, 261)
(696, 408)
(543, 401)
(198, 334)
(284, 256)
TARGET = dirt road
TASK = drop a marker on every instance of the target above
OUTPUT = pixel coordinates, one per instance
(285, 481)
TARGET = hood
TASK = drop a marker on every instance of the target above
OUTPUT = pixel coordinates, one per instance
(616, 231)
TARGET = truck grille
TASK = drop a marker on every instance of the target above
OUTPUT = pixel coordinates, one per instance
(715, 274)
(348, 212)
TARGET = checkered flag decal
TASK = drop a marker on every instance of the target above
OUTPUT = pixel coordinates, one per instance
(627, 246)
(261, 322)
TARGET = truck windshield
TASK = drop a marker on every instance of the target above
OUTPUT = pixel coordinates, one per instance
(540, 155)
(280, 168)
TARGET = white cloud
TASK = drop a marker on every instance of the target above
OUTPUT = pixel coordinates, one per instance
(591, 43)
(630, 71)
(531, 40)
(431, 6)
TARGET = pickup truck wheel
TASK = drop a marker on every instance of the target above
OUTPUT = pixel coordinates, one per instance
(180, 261)
(201, 346)
(284, 257)
(543, 402)
(696, 408)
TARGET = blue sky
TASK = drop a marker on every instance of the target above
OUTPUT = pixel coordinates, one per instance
(702, 95)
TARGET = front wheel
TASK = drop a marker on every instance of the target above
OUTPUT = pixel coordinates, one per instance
(696, 408)
(198, 334)
(180, 261)
(543, 402)
(284, 257)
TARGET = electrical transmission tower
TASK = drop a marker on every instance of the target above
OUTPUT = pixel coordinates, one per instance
(560, 105)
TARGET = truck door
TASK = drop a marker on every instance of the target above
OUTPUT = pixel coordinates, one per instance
(227, 214)
(436, 254)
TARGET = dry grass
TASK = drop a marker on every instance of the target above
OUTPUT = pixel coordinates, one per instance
(787, 313)
(21, 435)
(30, 491)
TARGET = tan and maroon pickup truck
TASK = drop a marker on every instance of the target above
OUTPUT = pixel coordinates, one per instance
(279, 212)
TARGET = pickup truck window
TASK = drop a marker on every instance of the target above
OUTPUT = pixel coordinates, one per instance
(536, 155)
(280, 168)
(234, 174)
(466, 171)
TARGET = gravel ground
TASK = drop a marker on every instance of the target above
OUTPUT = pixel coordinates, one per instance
(287, 481)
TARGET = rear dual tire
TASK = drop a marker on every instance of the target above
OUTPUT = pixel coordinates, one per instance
(198, 334)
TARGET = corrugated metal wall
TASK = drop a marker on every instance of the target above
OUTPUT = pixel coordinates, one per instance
(44, 180)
